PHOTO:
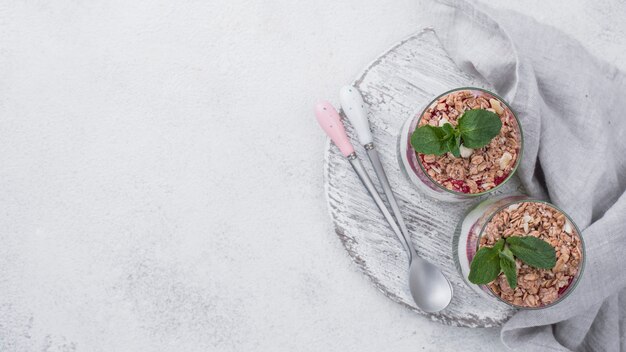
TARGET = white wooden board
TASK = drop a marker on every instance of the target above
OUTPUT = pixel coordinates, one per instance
(394, 87)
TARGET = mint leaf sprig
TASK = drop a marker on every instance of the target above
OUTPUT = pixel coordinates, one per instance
(489, 262)
(475, 129)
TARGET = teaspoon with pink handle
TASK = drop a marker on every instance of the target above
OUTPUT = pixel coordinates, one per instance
(429, 288)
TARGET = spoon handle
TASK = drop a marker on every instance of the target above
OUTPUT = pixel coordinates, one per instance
(354, 108)
(330, 121)
(371, 189)
(384, 182)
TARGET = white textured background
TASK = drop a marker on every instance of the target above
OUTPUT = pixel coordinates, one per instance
(161, 174)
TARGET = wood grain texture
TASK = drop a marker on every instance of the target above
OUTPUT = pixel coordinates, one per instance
(395, 86)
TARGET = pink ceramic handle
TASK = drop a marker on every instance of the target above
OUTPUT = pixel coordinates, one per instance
(331, 123)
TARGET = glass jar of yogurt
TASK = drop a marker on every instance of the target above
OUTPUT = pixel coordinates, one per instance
(502, 217)
(478, 171)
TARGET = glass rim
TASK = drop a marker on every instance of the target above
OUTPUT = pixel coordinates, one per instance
(574, 282)
(517, 162)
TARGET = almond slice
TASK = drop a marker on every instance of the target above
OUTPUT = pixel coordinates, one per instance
(505, 160)
(513, 207)
(496, 106)
(466, 152)
(567, 227)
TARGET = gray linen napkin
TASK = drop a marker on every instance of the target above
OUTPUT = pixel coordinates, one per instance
(572, 109)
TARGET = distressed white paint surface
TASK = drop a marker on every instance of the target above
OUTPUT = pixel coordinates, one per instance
(395, 87)
(161, 183)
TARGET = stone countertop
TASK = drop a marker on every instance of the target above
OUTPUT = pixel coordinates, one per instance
(161, 178)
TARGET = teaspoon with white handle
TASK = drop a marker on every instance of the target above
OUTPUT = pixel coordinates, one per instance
(430, 290)
(354, 108)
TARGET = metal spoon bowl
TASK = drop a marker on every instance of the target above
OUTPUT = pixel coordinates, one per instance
(430, 289)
